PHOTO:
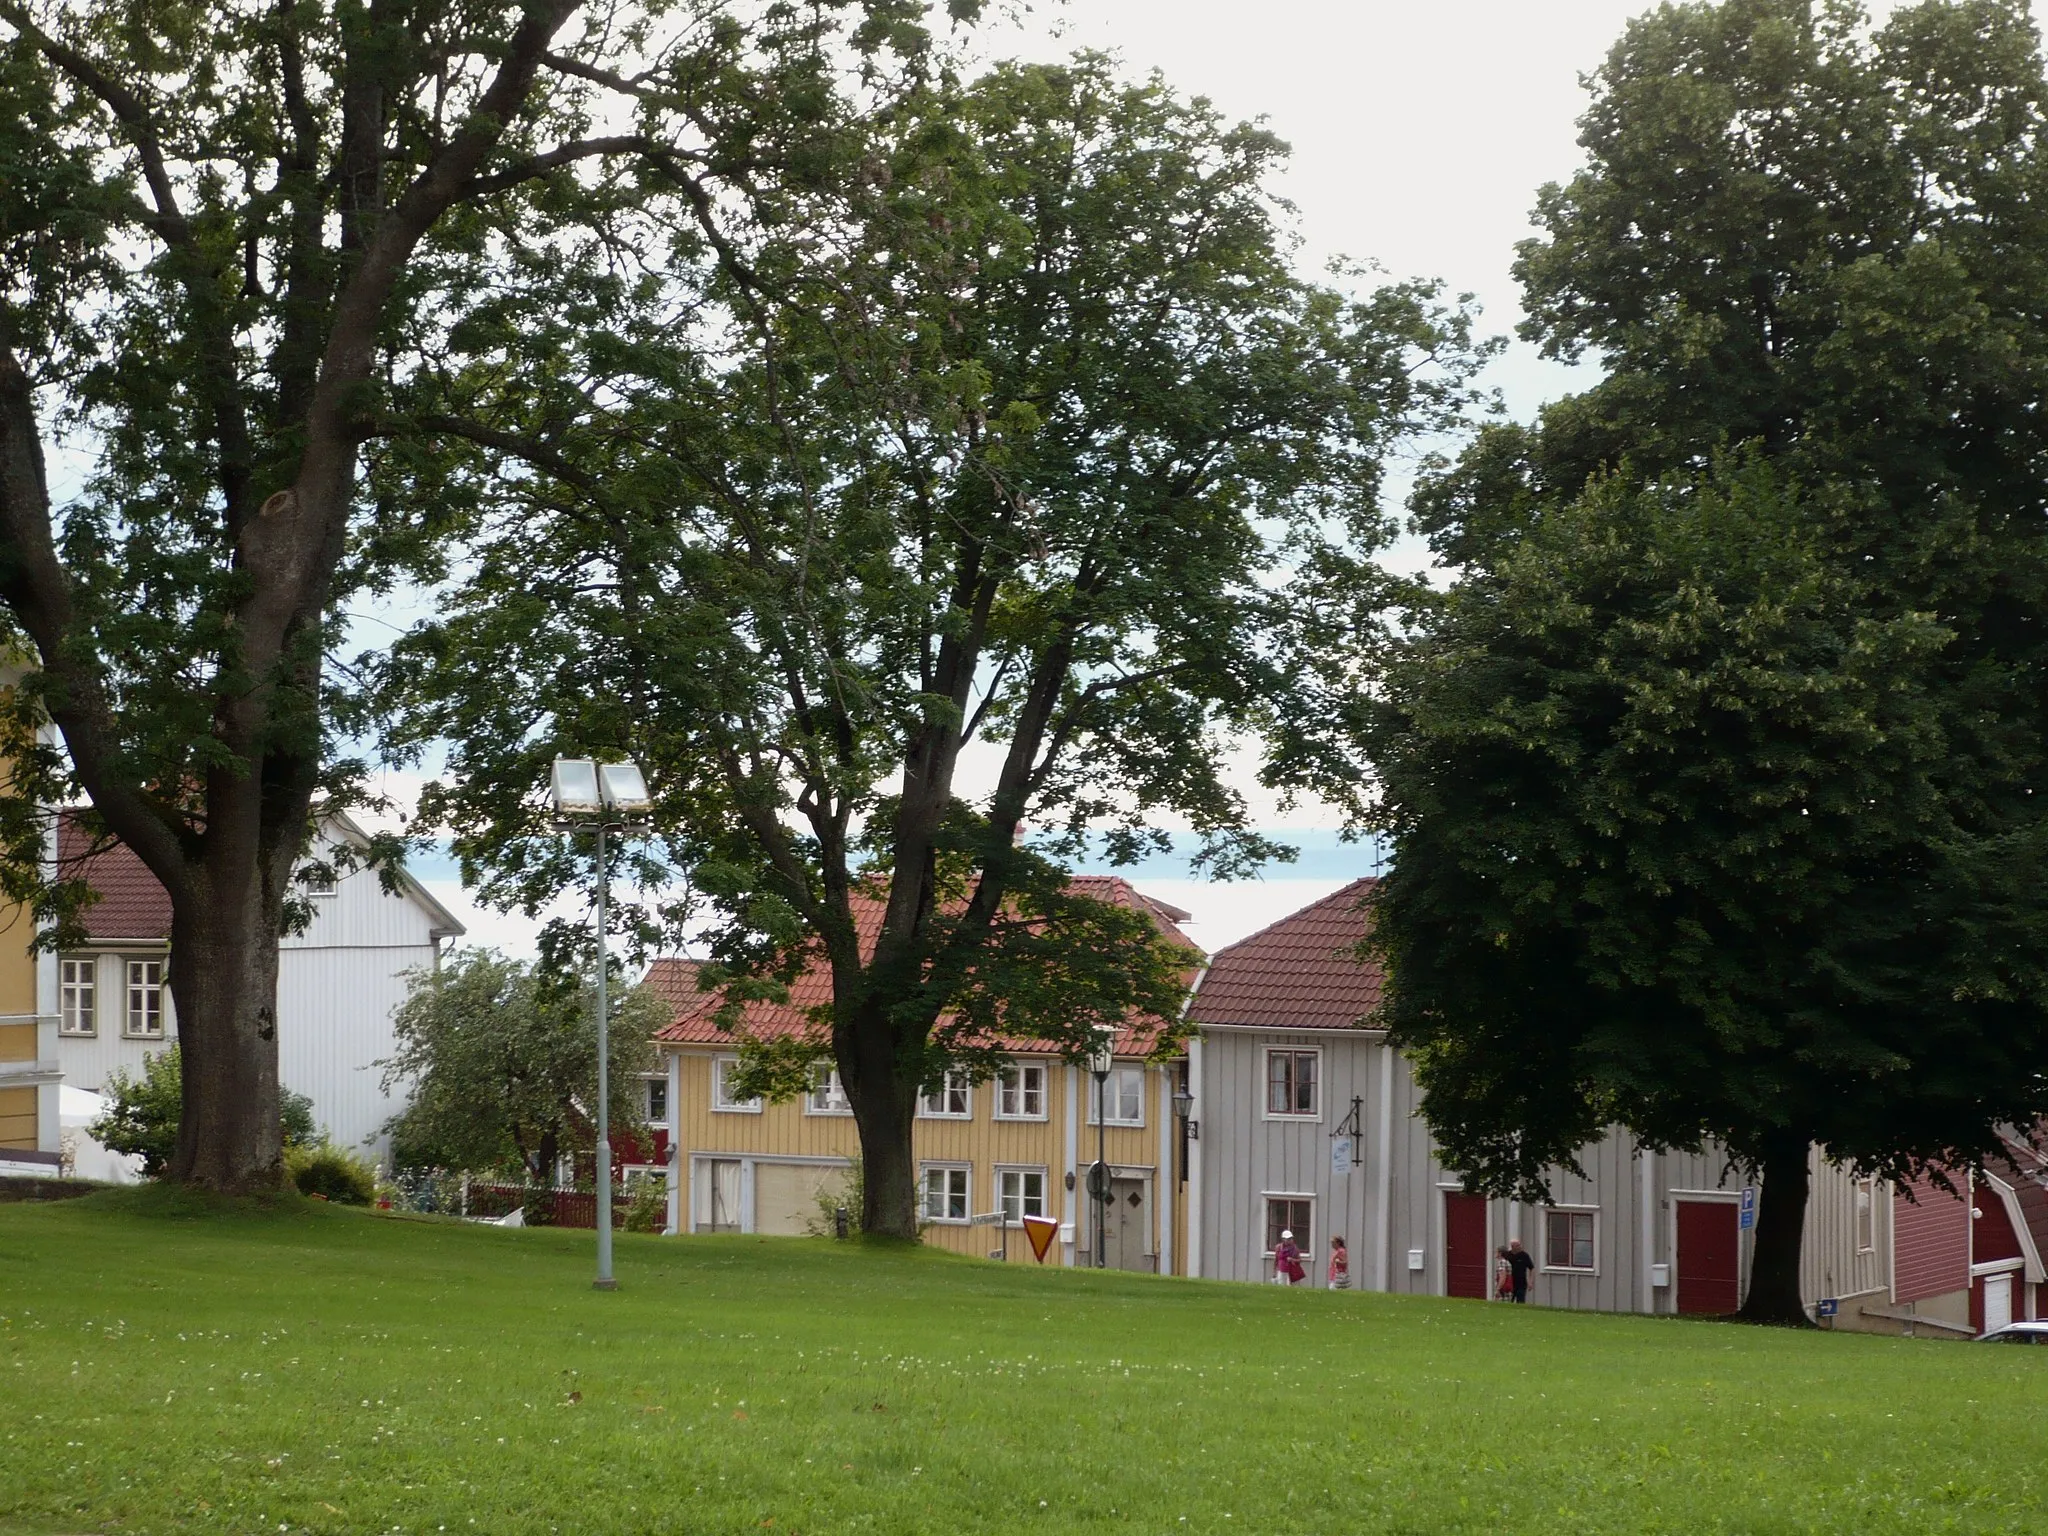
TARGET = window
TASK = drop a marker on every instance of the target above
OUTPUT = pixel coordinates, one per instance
(722, 1069)
(1291, 1213)
(1020, 1092)
(826, 1097)
(949, 1101)
(1123, 1096)
(1291, 1083)
(1020, 1192)
(145, 999)
(657, 1100)
(1866, 1215)
(78, 1006)
(945, 1194)
(321, 880)
(1568, 1240)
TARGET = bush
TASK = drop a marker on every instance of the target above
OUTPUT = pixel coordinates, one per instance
(647, 1204)
(826, 1222)
(141, 1114)
(334, 1173)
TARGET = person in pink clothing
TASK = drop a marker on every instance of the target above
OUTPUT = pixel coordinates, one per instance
(1340, 1265)
(1287, 1260)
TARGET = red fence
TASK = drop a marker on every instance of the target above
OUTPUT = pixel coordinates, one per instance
(543, 1207)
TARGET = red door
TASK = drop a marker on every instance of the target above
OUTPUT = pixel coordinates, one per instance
(1465, 1266)
(1709, 1249)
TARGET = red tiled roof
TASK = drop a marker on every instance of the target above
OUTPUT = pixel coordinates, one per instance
(1301, 973)
(675, 980)
(133, 904)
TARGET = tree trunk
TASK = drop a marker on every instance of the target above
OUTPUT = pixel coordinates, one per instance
(1780, 1229)
(223, 976)
(884, 1110)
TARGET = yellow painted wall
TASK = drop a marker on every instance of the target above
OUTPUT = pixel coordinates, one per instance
(786, 1130)
(18, 1119)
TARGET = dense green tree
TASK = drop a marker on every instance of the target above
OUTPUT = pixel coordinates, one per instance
(501, 1065)
(1030, 479)
(140, 1114)
(1712, 779)
(232, 235)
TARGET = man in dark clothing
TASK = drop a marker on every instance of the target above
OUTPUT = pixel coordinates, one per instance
(1521, 1261)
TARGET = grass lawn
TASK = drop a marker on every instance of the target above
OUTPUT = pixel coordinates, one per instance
(163, 1369)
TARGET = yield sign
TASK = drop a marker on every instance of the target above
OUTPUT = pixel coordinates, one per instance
(1040, 1230)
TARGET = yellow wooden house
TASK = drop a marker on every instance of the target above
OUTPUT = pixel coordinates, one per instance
(988, 1153)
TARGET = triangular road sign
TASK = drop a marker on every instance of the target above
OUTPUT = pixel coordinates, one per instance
(1041, 1230)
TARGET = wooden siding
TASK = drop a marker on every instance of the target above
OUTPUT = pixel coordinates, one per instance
(1931, 1242)
(1062, 1143)
(18, 1119)
(1831, 1264)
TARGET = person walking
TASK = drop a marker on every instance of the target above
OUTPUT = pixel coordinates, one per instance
(1340, 1265)
(1503, 1275)
(1521, 1261)
(1287, 1261)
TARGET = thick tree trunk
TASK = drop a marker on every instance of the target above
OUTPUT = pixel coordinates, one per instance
(1780, 1229)
(223, 976)
(884, 1110)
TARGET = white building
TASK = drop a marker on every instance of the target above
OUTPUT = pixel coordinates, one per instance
(338, 984)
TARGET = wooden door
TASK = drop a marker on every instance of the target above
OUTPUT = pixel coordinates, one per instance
(1709, 1257)
(1125, 1227)
(1466, 1265)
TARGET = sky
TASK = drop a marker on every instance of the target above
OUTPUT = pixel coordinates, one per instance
(1420, 136)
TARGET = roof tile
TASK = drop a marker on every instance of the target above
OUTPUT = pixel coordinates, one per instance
(1302, 972)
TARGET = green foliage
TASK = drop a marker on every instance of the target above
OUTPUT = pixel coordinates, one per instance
(140, 1116)
(1647, 1425)
(1713, 779)
(647, 1205)
(1013, 433)
(501, 1064)
(333, 1173)
(832, 1199)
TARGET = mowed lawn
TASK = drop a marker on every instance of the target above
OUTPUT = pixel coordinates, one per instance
(164, 1369)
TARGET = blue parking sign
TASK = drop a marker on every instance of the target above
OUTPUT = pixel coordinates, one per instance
(1748, 1207)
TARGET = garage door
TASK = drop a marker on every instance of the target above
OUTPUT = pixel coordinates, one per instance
(786, 1195)
(1709, 1249)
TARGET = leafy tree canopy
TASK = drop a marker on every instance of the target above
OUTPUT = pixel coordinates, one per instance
(977, 504)
(1712, 780)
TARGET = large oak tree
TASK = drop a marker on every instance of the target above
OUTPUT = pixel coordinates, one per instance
(1030, 480)
(229, 233)
(1713, 779)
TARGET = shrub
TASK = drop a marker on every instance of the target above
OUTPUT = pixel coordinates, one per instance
(647, 1204)
(332, 1172)
(141, 1114)
(826, 1222)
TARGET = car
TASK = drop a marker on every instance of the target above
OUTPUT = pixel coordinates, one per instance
(2016, 1333)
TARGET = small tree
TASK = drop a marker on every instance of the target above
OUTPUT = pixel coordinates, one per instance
(140, 1114)
(502, 1065)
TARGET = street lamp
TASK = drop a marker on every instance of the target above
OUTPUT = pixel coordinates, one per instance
(1183, 1110)
(602, 796)
(1100, 1061)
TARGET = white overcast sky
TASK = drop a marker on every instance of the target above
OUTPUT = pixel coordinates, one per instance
(1420, 135)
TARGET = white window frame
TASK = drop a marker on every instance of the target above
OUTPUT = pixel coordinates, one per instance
(1113, 1091)
(319, 888)
(955, 1083)
(827, 1095)
(70, 984)
(1020, 1071)
(1007, 1171)
(1312, 1116)
(721, 1102)
(1863, 1215)
(1592, 1211)
(139, 986)
(649, 1087)
(924, 1197)
(1266, 1199)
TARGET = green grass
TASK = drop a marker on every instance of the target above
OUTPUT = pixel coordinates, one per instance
(167, 1367)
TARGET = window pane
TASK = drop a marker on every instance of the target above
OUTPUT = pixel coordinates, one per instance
(1305, 1083)
(1279, 1082)
(1557, 1244)
(1582, 1240)
(1034, 1090)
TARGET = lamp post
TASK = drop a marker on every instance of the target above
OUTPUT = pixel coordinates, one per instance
(602, 796)
(1183, 1110)
(1100, 1061)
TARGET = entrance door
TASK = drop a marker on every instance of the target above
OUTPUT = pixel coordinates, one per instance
(1997, 1302)
(1465, 1266)
(1709, 1257)
(1124, 1229)
(724, 1181)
